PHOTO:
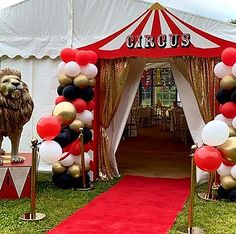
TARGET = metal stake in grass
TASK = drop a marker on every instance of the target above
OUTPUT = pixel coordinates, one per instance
(32, 215)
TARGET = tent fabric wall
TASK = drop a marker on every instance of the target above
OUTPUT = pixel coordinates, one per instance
(117, 125)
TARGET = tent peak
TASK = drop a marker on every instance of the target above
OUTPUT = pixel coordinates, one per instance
(156, 6)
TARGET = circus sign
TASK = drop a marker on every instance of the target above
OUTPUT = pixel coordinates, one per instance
(161, 41)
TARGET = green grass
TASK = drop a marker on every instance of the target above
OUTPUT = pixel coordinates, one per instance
(214, 217)
(56, 203)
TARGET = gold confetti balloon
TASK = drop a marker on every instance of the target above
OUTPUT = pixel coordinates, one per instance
(64, 80)
(75, 170)
(65, 112)
(228, 182)
(81, 81)
(57, 168)
(228, 149)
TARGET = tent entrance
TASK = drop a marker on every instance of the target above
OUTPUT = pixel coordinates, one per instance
(156, 138)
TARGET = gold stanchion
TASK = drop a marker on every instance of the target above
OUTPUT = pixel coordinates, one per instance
(32, 215)
(209, 196)
(84, 188)
(191, 229)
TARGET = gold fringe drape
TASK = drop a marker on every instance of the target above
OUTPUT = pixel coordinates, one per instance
(204, 84)
(113, 77)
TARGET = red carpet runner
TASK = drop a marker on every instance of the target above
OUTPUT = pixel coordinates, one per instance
(136, 205)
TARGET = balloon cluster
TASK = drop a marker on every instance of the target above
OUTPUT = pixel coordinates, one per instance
(219, 135)
(72, 114)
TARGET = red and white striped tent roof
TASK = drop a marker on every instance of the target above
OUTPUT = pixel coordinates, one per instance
(159, 33)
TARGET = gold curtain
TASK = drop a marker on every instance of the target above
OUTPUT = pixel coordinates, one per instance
(113, 77)
(204, 84)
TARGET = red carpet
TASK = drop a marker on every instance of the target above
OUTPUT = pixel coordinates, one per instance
(134, 205)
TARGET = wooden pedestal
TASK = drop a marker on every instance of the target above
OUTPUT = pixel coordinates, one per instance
(15, 178)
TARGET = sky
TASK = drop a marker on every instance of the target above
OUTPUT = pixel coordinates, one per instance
(217, 9)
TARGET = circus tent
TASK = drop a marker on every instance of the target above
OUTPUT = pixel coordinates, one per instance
(160, 33)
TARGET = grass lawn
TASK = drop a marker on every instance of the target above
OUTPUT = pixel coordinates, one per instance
(57, 204)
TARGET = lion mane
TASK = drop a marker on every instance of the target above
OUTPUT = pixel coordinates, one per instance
(14, 112)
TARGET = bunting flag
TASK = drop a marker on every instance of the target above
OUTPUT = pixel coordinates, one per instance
(159, 33)
(19, 176)
(3, 172)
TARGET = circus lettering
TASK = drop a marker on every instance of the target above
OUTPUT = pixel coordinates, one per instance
(162, 41)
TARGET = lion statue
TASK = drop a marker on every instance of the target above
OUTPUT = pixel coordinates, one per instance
(16, 107)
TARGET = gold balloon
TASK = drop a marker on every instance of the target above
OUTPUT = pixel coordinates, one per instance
(228, 182)
(57, 168)
(87, 167)
(81, 81)
(65, 112)
(228, 149)
(232, 131)
(75, 170)
(76, 125)
(92, 82)
(64, 79)
(228, 82)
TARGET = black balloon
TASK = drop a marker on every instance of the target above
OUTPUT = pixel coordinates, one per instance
(87, 94)
(87, 135)
(65, 137)
(233, 96)
(63, 180)
(78, 182)
(222, 193)
(232, 195)
(70, 92)
(60, 90)
(223, 96)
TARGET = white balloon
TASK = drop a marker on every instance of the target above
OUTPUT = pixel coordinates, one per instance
(60, 67)
(86, 159)
(234, 69)
(224, 119)
(69, 160)
(85, 116)
(71, 69)
(234, 122)
(224, 170)
(215, 133)
(222, 70)
(90, 70)
(50, 151)
(233, 171)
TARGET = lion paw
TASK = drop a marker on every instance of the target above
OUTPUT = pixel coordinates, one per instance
(17, 159)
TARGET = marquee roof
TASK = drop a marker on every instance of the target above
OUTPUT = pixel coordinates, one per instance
(158, 32)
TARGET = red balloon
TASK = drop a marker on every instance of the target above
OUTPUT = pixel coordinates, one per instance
(228, 56)
(67, 55)
(87, 147)
(90, 105)
(207, 158)
(92, 56)
(228, 109)
(80, 105)
(60, 99)
(226, 162)
(48, 127)
(82, 57)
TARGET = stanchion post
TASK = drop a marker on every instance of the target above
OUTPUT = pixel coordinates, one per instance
(84, 188)
(191, 229)
(33, 216)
